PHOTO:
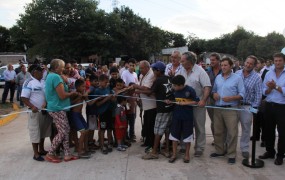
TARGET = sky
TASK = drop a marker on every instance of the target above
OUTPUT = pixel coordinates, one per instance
(207, 19)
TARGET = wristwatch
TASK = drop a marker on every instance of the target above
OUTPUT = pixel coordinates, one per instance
(276, 87)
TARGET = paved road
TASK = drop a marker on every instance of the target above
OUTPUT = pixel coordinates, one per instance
(16, 162)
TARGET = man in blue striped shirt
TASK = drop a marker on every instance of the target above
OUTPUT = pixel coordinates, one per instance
(253, 94)
(274, 89)
(228, 90)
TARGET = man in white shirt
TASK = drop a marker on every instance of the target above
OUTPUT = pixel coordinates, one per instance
(39, 123)
(148, 102)
(129, 75)
(197, 78)
(10, 77)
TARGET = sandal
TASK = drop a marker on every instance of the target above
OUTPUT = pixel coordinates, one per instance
(150, 156)
(186, 160)
(71, 158)
(52, 158)
(172, 159)
(165, 154)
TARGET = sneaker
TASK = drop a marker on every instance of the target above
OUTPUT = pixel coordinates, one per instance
(120, 148)
(245, 154)
(148, 149)
(231, 160)
(104, 150)
(198, 153)
(110, 148)
(39, 158)
(124, 146)
(84, 155)
(214, 155)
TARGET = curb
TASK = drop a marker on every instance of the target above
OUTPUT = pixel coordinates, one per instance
(6, 120)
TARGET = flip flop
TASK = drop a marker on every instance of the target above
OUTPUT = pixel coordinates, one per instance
(172, 159)
(51, 159)
(71, 158)
(150, 156)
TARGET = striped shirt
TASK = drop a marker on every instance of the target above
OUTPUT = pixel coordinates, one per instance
(253, 88)
(169, 68)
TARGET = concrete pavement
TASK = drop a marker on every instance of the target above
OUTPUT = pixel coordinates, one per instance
(16, 162)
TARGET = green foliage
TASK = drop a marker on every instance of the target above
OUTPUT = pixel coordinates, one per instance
(4, 39)
(240, 43)
(77, 28)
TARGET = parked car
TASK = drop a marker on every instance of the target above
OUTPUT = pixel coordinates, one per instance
(2, 81)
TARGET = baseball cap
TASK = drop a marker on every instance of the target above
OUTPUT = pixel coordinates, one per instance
(160, 66)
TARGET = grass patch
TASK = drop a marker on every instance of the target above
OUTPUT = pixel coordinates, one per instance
(6, 108)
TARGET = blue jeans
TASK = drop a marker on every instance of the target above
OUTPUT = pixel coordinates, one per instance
(131, 120)
(19, 91)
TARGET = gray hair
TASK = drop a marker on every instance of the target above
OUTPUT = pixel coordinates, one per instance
(55, 63)
(191, 57)
(176, 52)
(145, 63)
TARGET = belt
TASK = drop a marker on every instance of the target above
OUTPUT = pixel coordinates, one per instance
(245, 104)
(225, 106)
(275, 104)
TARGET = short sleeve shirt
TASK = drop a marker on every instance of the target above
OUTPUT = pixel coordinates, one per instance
(54, 103)
(186, 94)
(162, 90)
(33, 89)
(197, 79)
(129, 77)
(147, 81)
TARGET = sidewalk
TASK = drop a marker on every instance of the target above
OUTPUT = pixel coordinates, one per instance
(16, 162)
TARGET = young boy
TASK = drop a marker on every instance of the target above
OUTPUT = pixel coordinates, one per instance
(114, 76)
(77, 120)
(182, 119)
(161, 88)
(91, 111)
(120, 122)
(105, 112)
(131, 112)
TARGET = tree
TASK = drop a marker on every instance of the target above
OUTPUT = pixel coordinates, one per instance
(4, 39)
(66, 28)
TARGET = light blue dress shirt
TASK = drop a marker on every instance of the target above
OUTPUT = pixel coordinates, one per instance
(275, 96)
(231, 86)
(9, 75)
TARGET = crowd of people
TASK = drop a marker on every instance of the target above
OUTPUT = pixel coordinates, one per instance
(172, 98)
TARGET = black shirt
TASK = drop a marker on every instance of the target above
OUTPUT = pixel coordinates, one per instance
(161, 87)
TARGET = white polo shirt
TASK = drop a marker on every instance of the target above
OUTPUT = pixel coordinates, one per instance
(197, 79)
(33, 89)
(129, 77)
(147, 81)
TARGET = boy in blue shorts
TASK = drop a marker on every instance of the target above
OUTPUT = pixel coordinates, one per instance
(77, 120)
(104, 107)
(182, 119)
